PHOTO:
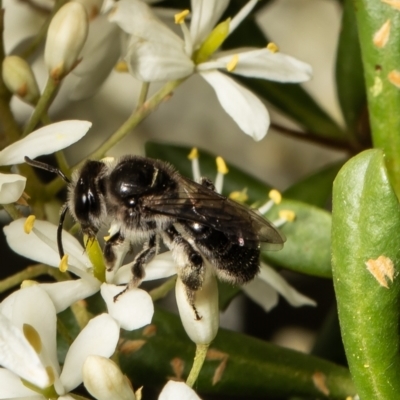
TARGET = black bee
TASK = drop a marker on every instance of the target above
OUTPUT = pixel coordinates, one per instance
(147, 200)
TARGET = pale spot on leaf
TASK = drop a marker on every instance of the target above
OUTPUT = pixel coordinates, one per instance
(382, 269)
(178, 366)
(381, 36)
(131, 346)
(213, 354)
(394, 78)
(319, 380)
(392, 3)
(376, 89)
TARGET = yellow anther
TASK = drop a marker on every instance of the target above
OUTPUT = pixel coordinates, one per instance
(107, 238)
(180, 17)
(194, 153)
(32, 336)
(272, 47)
(63, 266)
(239, 196)
(287, 215)
(121, 66)
(28, 225)
(275, 196)
(232, 63)
(221, 166)
(108, 159)
(28, 283)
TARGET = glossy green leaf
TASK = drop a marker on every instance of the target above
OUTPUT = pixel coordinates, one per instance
(308, 240)
(247, 366)
(233, 181)
(349, 70)
(365, 255)
(316, 189)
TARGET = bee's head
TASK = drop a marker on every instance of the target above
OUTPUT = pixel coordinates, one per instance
(86, 197)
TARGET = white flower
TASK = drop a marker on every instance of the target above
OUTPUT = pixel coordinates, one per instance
(132, 310)
(46, 140)
(155, 53)
(29, 350)
(177, 390)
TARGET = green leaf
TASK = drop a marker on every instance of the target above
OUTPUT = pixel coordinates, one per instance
(233, 181)
(248, 366)
(316, 189)
(366, 228)
(308, 240)
(349, 70)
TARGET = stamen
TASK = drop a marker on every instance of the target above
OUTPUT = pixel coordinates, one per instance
(284, 216)
(51, 374)
(180, 17)
(63, 266)
(121, 66)
(222, 170)
(232, 63)
(239, 196)
(241, 15)
(33, 337)
(194, 157)
(28, 283)
(275, 198)
(28, 225)
(107, 238)
(272, 47)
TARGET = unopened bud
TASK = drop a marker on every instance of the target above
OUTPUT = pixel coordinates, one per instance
(201, 323)
(65, 38)
(19, 79)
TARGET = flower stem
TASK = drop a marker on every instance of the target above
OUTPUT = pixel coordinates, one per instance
(201, 352)
(43, 104)
(143, 94)
(12, 211)
(30, 272)
(137, 116)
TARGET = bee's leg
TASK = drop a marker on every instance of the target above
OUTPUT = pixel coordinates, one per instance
(190, 262)
(144, 257)
(114, 252)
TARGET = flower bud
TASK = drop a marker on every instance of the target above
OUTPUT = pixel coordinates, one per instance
(104, 380)
(203, 330)
(19, 79)
(65, 38)
(92, 7)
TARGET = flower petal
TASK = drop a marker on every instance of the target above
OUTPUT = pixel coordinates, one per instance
(11, 387)
(32, 246)
(264, 64)
(104, 380)
(241, 104)
(18, 356)
(152, 61)
(45, 140)
(177, 390)
(204, 329)
(11, 187)
(99, 337)
(132, 310)
(63, 294)
(293, 297)
(205, 15)
(99, 55)
(261, 293)
(161, 266)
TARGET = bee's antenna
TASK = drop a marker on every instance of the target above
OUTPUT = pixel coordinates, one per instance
(59, 230)
(47, 167)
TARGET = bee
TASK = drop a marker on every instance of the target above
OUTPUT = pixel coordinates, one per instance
(147, 201)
